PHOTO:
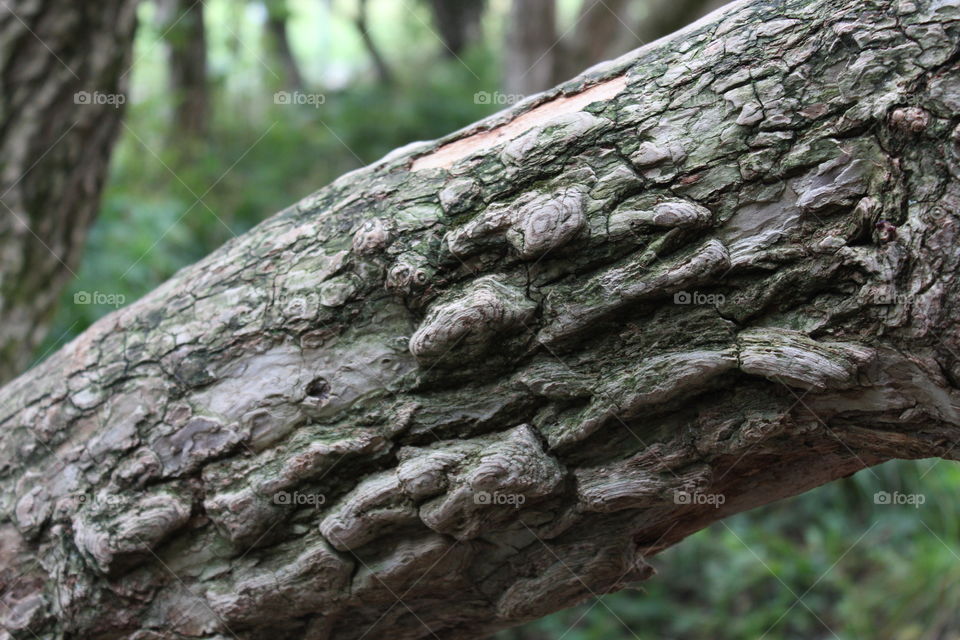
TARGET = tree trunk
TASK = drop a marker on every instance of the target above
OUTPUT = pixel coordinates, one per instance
(600, 28)
(277, 16)
(663, 17)
(186, 37)
(457, 23)
(64, 68)
(384, 74)
(489, 377)
(528, 56)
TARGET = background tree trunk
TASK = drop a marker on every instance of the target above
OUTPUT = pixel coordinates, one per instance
(663, 17)
(277, 16)
(457, 23)
(489, 377)
(64, 74)
(384, 74)
(531, 34)
(186, 38)
(595, 37)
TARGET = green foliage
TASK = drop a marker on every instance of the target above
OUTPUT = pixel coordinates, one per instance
(830, 563)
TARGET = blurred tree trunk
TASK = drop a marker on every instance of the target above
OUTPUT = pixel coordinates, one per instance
(457, 22)
(278, 14)
(602, 30)
(663, 17)
(531, 38)
(185, 34)
(595, 37)
(489, 377)
(384, 75)
(64, 78)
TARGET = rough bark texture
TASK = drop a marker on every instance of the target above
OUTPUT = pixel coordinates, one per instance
(62, 66)
(487, 377)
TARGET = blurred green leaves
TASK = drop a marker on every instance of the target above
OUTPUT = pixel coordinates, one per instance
(741, 578)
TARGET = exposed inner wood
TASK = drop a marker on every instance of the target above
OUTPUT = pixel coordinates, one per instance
(447, 155)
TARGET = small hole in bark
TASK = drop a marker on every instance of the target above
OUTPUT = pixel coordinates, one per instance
(318, 388)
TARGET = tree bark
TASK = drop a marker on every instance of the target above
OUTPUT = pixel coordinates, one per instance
(491, 376)
(187, 42)
(528, 55)
(63, 80)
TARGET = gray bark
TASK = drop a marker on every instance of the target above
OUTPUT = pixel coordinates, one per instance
(490, 376)
(63, 78)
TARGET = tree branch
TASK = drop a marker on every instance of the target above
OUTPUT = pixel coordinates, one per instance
(490, 376)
